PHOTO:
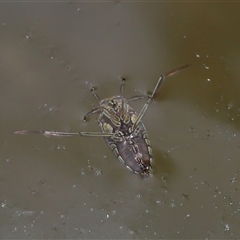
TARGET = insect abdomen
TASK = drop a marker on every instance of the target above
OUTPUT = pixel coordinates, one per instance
(134, 151)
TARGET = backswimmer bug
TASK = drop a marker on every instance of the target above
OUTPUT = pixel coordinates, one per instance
(122, 128)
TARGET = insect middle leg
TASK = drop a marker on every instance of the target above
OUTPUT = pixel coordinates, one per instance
(94, 111)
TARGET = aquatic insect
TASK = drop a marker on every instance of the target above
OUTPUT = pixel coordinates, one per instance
(122, 128)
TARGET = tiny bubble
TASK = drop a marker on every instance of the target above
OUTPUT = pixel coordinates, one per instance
(34, 192)
(206, 67)
(229, 106)
(233, 180)
(226, 227)
(172, 205)
(4, 205)
(98, 173)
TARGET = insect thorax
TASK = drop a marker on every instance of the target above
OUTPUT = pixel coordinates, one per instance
(116, 116)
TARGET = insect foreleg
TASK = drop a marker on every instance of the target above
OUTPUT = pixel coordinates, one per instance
(112, 116)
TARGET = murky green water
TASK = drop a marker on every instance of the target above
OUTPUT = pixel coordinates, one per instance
(53, 53)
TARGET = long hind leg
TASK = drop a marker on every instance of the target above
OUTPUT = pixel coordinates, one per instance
(65, 134)
(152, 96)
(68, 134)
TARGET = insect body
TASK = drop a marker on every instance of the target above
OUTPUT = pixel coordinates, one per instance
(122, 128)
(129, 144)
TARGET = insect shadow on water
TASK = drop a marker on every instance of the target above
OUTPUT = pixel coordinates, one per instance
(122, 128)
